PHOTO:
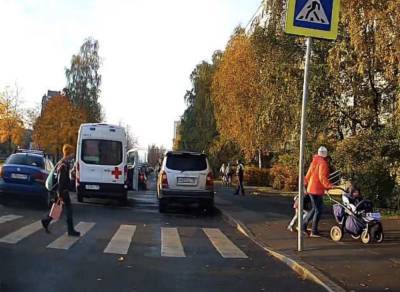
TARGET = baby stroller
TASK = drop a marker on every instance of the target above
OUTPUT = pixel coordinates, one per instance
(358, 220)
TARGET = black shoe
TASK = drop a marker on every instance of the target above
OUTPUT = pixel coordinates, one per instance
(45, 224)
(74, 233)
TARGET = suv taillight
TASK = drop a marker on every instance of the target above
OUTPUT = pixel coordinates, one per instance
(39, 177)
(164, 180)
(209, 181)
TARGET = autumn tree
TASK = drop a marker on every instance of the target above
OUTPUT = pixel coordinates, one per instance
(198, 128)
(236, 93)
(131, 139)
(11, 119)
(84, 79)
(58, 124)
(154, 153)
(366, 60)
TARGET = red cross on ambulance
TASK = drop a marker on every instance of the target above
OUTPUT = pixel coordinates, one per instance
(116, 173)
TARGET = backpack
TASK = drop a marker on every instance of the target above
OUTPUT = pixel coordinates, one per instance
(52, 179)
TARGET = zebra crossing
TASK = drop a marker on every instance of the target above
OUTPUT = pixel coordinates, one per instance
(123, 239)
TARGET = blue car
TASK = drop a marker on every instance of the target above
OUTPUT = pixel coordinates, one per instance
(25, 173)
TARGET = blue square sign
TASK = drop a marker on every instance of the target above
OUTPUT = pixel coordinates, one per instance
(315, 14)
(317, 18)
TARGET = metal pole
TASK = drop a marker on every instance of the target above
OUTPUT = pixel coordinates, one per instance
(300, 241)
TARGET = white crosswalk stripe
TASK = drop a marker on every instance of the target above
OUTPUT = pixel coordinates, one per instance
(120, 243)
(121, 240)
(223, 245)
(171, 245)
(65, 241)
(21, 233)
(7, 218)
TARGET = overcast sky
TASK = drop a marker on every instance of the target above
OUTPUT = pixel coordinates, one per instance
(149, 49)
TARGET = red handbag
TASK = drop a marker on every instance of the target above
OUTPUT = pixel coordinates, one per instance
(56, 209)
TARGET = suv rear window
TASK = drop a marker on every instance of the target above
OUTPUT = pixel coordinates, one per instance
(101, 152)
(26, 159)
(186, 162)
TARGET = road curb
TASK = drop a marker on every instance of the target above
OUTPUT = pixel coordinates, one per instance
(306, 271)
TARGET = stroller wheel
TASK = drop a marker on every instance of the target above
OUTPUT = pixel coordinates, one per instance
(355, 236)
(365, 237)
(379, 237)
(336, 233)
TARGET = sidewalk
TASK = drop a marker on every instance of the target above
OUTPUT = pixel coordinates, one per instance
(349, 263)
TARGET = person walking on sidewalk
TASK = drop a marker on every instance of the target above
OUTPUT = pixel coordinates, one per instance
(317, 182)
(228, 174)
(222, 173)
(63, 180)
(240, 176)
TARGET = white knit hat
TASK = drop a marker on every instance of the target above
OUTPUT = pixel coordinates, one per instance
(322, 151)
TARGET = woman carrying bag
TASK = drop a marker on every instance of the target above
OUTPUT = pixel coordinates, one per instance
(63, 199)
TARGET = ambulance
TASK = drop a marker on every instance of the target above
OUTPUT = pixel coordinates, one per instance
(101, 162)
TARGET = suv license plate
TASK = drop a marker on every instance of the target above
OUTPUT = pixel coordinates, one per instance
(92, 187)
(186, 180)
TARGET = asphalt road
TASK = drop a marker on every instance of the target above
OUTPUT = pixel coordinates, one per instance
(134, 248)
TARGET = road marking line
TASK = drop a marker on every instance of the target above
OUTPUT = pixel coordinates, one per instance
(223, 244)
(121, 240)
(65, 241)
(7, 218)
(22, 233)
(171, 245)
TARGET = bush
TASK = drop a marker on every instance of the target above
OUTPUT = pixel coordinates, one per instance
(370, 165)
(254, 176)
(284, 177)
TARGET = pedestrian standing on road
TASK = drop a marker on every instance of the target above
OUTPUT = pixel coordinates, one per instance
(317, 182)
(222, 172)
(240, 176)
(63, 180)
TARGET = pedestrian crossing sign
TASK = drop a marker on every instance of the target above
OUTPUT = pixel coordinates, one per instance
(313, 18)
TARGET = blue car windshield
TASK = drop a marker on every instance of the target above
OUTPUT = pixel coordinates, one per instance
(26, 159)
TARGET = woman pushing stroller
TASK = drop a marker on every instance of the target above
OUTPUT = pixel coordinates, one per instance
(317, 183)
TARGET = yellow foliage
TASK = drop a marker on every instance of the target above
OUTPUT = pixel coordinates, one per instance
(236, 94)
(58, 124)
(11, 124)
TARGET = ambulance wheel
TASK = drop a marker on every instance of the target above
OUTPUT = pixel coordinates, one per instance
(365, 237)
(124, 200)
(336, 233)
(79, 197)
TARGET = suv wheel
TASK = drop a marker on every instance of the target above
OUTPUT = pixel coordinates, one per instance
(47, 202)
(162, 206)
(208, 206)
(79, 196)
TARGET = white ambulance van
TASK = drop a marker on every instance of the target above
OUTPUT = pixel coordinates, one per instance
(101, 162)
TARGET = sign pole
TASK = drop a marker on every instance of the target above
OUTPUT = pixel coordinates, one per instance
(300, 240)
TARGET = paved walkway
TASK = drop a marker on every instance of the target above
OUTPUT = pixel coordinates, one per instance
(349, 263)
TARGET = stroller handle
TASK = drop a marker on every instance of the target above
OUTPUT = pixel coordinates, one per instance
(337, 188)
(330, 197)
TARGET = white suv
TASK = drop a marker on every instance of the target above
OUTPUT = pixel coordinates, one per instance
(185, 177)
